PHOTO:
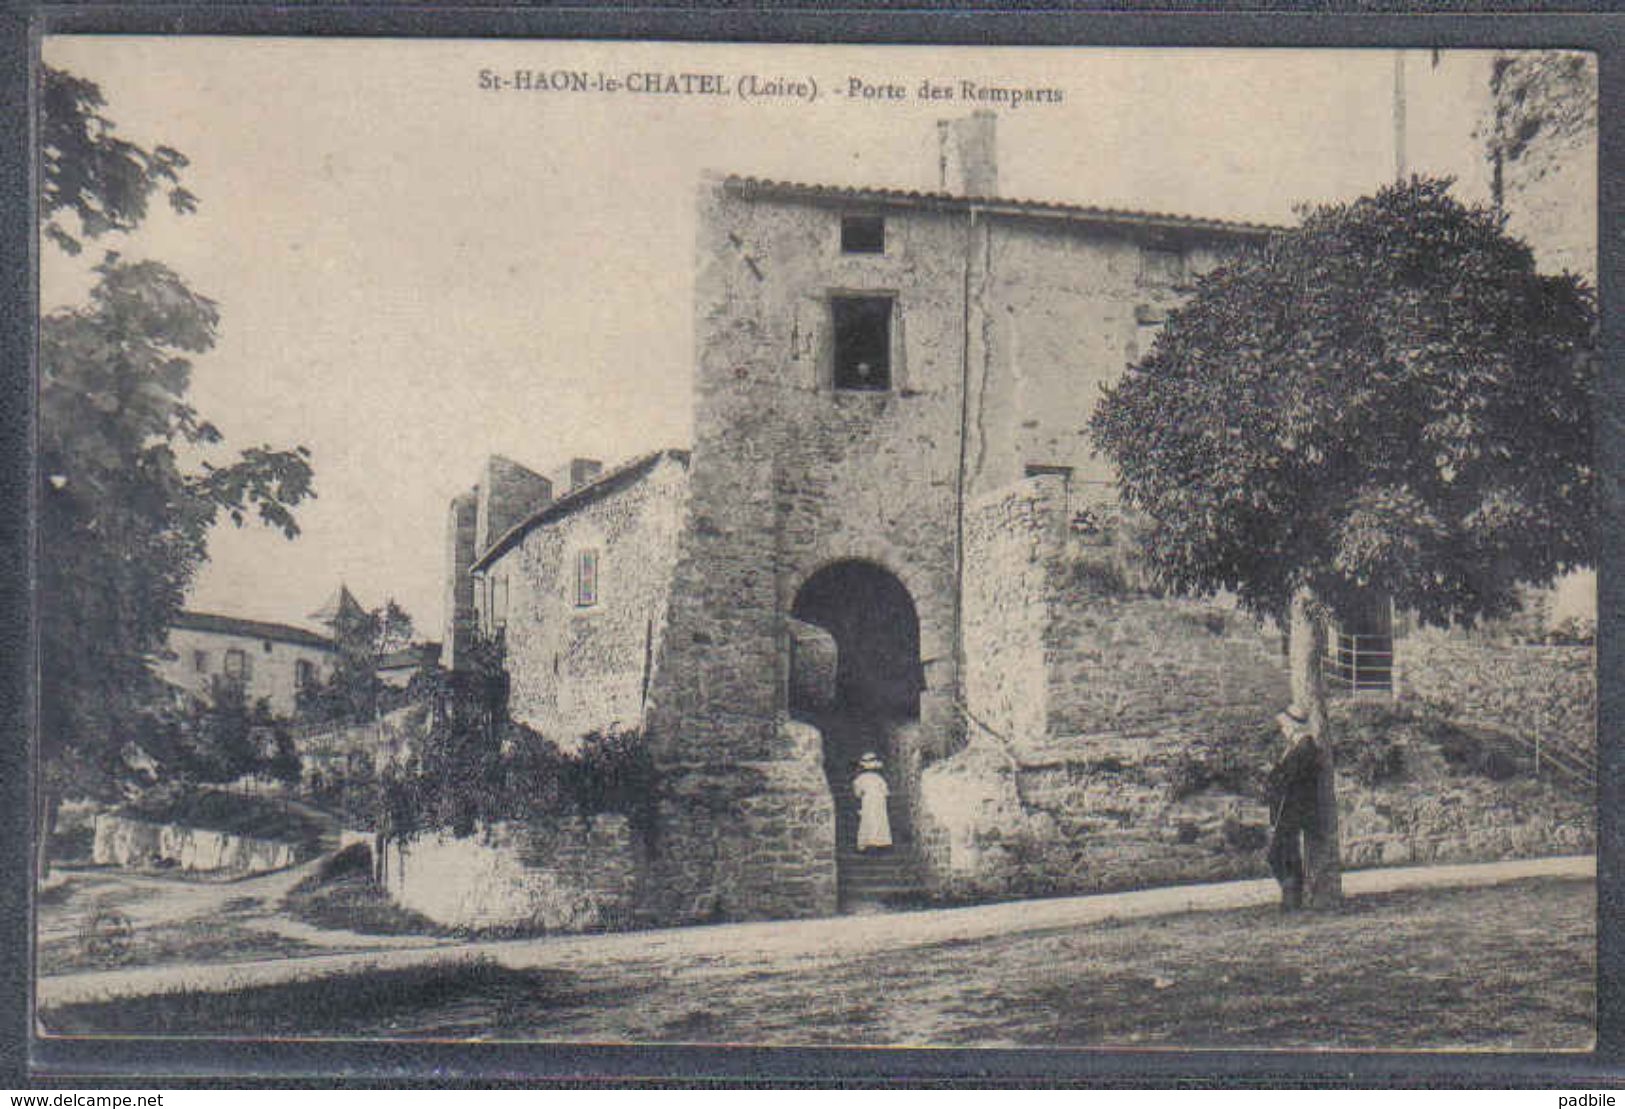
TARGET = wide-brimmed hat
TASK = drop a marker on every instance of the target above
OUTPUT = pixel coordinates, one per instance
(870, 761)
(1293, 720)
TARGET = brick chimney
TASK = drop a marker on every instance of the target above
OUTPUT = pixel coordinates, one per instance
(575, 473)
(968, 154)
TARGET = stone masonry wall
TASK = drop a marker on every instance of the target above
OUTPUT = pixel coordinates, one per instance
(121, 841)
(994, 320)
(1130, 814)
(1056, 314)
(1011, 544)
(462, 516)
(197, 659)
(1528, 691)
(789, 476)
(562, 873)
(575, 669)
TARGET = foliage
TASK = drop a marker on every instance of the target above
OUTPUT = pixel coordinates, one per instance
(222, 738)
(1388, 398)
(103, 180)
(353, 692)
(123, 523)
(476, 766)
(228, 812)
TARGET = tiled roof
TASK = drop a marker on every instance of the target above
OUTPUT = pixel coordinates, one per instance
(944, 201)
(610, 481)
(411, 656)
(250, 629)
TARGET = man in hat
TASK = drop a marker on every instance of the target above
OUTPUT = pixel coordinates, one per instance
(1294, 799)
(874, 824)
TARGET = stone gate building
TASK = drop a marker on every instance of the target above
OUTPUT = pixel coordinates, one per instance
(891, 534)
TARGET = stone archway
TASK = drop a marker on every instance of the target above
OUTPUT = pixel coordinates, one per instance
(877, 681)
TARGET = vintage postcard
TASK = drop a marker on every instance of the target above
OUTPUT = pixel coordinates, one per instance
(806, 545)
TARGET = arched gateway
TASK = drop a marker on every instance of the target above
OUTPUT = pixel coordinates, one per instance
(877, 682)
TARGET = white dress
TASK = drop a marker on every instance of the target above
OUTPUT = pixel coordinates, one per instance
(874, 826)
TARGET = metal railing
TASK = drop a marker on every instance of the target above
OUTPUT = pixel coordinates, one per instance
(1359, 665)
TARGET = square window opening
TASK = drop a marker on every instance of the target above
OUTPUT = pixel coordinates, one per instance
(862, 342)
(863, 235)
(1162, 265)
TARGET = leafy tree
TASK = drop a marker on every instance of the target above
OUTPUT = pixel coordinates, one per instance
(225, 736)
(353, 691)
(103, 180)
(1385, 401)
(123, 519)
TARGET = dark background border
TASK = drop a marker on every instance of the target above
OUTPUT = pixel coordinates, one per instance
(177, 1064)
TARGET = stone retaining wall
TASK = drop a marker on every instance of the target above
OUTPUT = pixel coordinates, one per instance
(564, 874)
(1114, 816)
(1523, 690)
(122, 841)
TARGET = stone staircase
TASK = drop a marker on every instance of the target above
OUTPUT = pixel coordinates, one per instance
(877, 879)
(885, 879)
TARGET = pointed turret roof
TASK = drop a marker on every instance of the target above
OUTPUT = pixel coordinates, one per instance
(342, 602)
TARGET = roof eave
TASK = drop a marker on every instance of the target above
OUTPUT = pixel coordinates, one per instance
(997, 206)
(602, 485)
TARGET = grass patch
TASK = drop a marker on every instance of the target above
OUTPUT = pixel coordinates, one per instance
(440, 1001)
(1508, 967)
(353, 902)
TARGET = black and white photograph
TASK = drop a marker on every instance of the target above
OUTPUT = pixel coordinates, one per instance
(599, 542)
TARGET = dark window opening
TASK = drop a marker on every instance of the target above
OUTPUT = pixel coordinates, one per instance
(1036, 469)
(862, 342)
(200, 661)
(1162, 265)
(863, 235)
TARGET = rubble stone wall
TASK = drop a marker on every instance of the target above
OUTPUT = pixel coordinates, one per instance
(121, 841)
(576, 669)
(561, 873)
(1525, 690)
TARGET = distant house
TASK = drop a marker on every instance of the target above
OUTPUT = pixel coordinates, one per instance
(396, 668)
(270, 661)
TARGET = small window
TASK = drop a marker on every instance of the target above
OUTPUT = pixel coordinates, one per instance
(862, 342)
(1037, 469)
(304, 673)
(499, 602)
(266, 645)
(237, 664)
(586, 579)
(1162, 265)
(863, 235)
(200, 661)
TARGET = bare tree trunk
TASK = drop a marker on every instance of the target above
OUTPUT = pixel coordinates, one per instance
(1323, 864)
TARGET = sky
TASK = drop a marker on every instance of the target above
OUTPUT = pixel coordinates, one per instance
(415, 272)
